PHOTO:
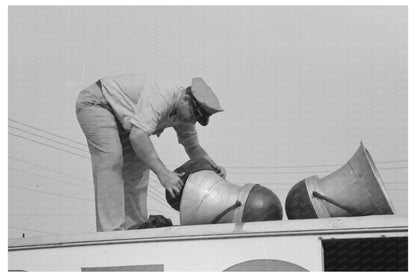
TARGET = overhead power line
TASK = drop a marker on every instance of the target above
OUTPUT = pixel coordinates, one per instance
(48, 145)
(47, 132)
(156, 192)
(45, 177)
(301, 172)
(301, 166)
(157, 195)
(65, 214)
(151, 194)
(283, 189)
(55, 194)
(80, 198)
(292, 166)
(154, 197)
(33, 230)
(53, 140)
(391, 168)
(293, 183)
(52, 170)
(234, 167)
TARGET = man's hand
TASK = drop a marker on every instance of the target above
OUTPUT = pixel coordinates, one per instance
(220, 170)
(172, 182)
(144, 149)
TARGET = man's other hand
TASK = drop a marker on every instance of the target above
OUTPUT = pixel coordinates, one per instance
(172, 182)
(220, 171)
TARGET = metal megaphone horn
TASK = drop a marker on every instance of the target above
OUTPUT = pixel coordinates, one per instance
(207, 198)
(355, 189)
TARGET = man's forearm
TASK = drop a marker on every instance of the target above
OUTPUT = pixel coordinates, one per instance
(143, 147)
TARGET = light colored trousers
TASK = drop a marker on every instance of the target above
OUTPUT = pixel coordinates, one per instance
(120, 178)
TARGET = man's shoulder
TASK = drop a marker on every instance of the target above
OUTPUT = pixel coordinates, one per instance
(125, 78)
(163, 84)
(165, 89)
(151, 80)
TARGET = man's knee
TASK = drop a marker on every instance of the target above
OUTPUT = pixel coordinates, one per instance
(110, 161)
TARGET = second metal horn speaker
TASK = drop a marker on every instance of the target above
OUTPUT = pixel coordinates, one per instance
(355, 189)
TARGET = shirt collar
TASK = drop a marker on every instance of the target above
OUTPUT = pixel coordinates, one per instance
(172, 112)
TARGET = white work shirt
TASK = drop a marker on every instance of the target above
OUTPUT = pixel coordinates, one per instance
(148, 105)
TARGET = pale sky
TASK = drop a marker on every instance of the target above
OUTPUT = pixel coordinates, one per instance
(301, 86)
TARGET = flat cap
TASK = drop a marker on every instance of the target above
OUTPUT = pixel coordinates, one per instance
(205, 100)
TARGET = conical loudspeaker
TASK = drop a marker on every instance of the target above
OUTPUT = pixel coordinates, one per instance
(208, 198)
(355, 189)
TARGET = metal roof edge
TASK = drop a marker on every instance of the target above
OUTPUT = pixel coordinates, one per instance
(380, 223)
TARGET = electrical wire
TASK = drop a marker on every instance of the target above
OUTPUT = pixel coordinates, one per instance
(156, 196)
(151, 194)
(78, 198)
(292, 166)
(302, 172)
(293, 183)
(50, 133)
(38, 231)
(52, 170)
(55, 194)
(53, 140)
(234, 167)
(48, 145)
(58, 181)
(300, 166)
(64, 214)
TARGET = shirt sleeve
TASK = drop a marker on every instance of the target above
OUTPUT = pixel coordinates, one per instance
(187, 135)
(151, 107)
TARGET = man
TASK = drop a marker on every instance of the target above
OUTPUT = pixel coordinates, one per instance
(117, 115)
